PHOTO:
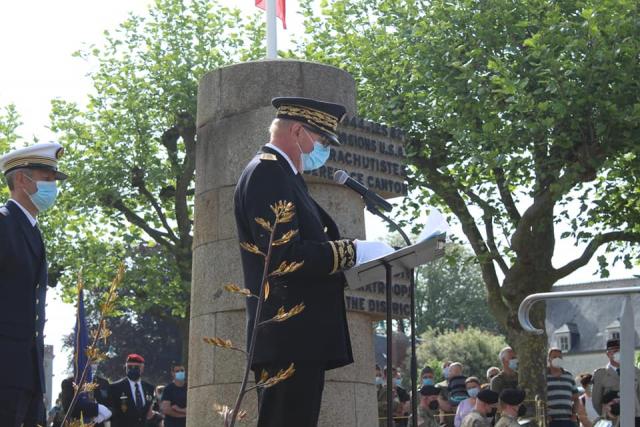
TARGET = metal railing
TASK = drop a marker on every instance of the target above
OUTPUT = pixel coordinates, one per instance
(627, 339)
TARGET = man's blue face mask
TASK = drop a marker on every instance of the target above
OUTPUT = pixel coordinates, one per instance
(45, 195)
(317, 157)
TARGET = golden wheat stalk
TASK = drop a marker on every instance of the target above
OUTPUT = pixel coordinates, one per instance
(235, 289)
(226, 413)
(282, 375)
(264, 224)
(250, 247)
(284, 211)
(222, 343)
(283, 315)
(93, 354)
(286, 268)
(286, 238)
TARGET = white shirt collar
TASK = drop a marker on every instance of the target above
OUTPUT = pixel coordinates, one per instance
(30, 217)
(293, 167)
(132, 386)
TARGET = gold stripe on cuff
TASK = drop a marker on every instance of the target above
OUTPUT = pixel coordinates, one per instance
(335, 257)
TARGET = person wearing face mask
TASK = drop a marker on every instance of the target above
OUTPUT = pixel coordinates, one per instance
(427, 376)
(562, 392)
(472, 386)
(428, 407)
(317, 339)
(31, 174)
(173, 403)
(610, 410)
(586, 380)
(131, 397)
(483, 411)
(608, 379)
(508, 376)
(510, 400)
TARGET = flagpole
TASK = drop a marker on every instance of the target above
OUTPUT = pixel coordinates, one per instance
(272, 31)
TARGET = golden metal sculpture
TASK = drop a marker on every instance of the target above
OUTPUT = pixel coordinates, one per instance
(94, 354)
(283, 213)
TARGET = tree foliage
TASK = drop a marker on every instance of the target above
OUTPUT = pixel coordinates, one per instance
(130, 152)
(450, 294)
(157, 339)
(9, 123)
(520, 115)
(477, 350)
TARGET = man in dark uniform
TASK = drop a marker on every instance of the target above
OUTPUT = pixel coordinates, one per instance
(130, 397)
(31, 175)
(317, 339)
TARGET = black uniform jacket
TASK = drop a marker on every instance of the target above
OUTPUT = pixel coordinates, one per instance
(123, 407)
(320, 333)
(23, 288)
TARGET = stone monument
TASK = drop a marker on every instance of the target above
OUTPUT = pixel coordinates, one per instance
(234, 113)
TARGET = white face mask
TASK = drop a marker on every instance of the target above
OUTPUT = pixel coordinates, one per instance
(557, 362)
(616, 357)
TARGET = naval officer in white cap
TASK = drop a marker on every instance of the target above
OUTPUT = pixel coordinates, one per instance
(31, 174)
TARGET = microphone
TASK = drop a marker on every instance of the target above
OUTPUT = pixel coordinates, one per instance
(370, 197)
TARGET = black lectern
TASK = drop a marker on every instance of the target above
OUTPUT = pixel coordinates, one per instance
(405, 259)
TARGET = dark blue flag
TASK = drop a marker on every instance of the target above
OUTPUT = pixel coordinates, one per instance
(81, 342)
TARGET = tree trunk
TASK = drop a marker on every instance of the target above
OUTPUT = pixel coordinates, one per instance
(531, 350)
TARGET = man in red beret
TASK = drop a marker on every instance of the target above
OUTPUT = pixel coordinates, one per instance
(130, 397)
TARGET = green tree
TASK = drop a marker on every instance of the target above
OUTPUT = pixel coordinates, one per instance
(477, 350)
(520, 115)
(9, 123)
(450, 294)
(130, 153)
(155, 338)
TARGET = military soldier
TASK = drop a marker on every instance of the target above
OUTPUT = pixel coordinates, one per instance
(510, 400)
(317, 339)
(31, 175)
(428, 407)
(130, 397)
(483, 412)
(608, 379)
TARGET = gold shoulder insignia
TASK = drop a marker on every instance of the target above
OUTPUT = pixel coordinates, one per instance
(268, 156)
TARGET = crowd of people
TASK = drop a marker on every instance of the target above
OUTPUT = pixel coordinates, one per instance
(128, 402)
(588, 400)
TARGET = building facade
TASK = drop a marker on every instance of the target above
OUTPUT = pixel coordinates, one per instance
(580, 327)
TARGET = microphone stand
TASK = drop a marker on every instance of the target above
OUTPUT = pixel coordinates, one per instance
(371, 207)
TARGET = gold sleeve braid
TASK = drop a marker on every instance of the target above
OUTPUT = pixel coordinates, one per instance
(344, 254)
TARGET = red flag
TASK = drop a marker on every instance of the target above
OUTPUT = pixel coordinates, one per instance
(280, 10)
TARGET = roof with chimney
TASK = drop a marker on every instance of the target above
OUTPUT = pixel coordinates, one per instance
(589, 321)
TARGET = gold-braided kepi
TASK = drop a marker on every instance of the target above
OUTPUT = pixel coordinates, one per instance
(321, 117)
(43, 155)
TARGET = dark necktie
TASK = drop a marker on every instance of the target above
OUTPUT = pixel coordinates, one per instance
(139, 403)
(618, 371)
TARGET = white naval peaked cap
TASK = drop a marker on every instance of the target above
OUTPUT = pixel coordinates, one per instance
(43, 155)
